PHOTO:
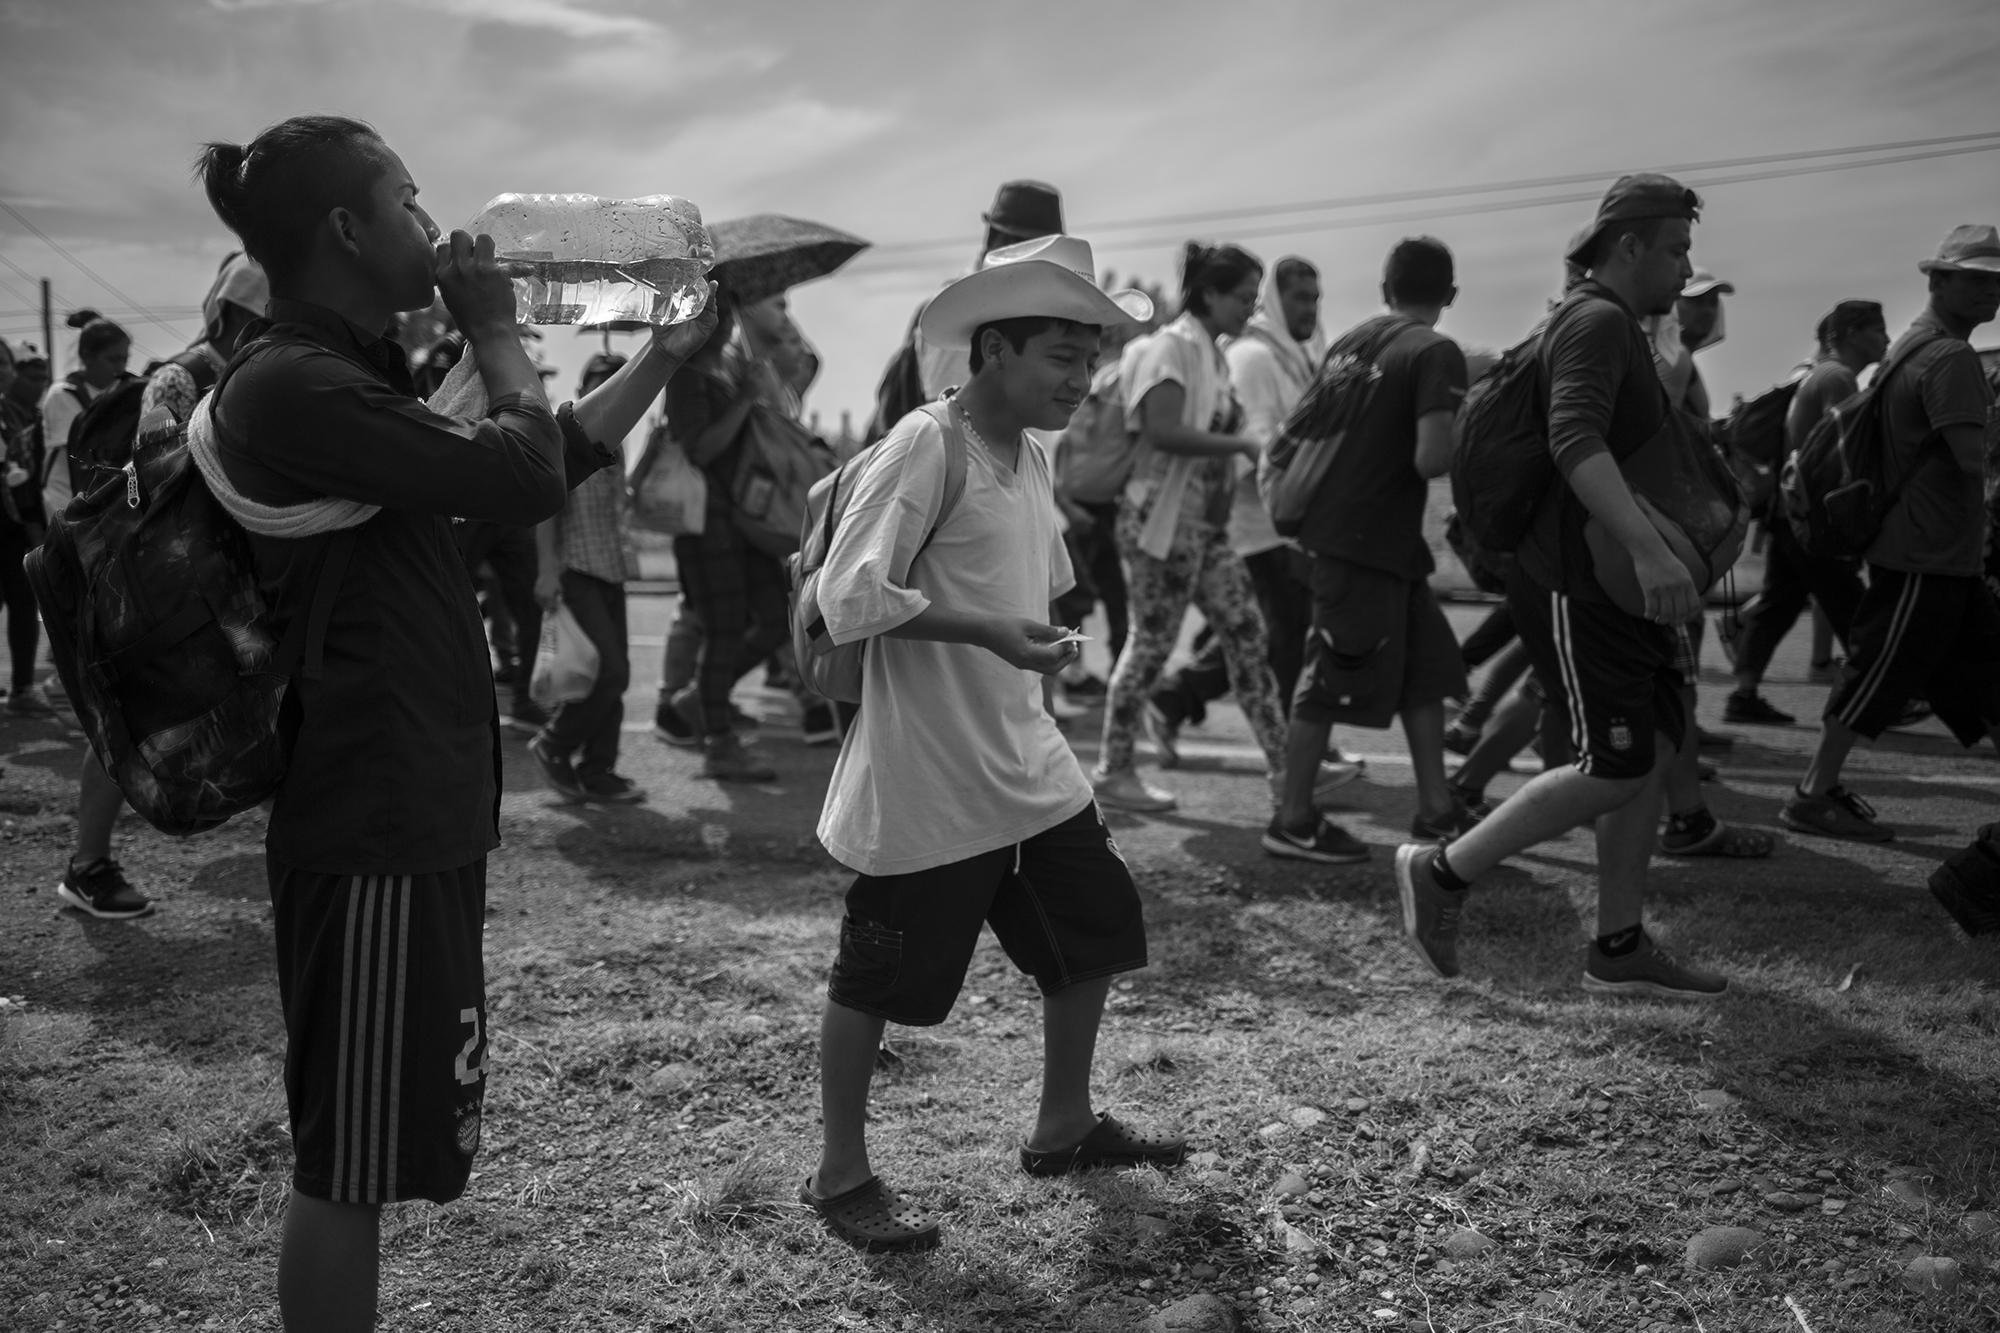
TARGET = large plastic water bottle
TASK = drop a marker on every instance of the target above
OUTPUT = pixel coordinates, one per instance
(587, 260)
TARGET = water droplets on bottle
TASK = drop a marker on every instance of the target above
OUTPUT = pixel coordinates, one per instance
(593, 260)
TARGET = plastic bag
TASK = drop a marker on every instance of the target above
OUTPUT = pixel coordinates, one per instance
(669, 494)
(565, 664)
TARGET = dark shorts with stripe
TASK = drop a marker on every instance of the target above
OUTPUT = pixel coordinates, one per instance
(384, 989)
(1612, 676)
(1062, 904)
(1934, 636)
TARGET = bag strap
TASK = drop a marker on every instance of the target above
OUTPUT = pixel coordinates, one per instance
(955, 454)
(302, 651)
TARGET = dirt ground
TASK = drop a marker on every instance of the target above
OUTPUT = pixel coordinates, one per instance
(654, 975)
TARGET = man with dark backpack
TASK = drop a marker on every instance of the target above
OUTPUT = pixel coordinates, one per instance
(378, 839)
(1851, 338)
(1379, 648)
(1927, 624)
(1609, 669)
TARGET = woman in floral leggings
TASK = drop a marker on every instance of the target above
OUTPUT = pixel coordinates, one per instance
(1172, 529)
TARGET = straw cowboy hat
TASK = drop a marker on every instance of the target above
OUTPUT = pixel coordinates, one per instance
(1969, 249)
(1051, 277)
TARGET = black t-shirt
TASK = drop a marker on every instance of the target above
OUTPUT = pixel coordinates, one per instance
(1604, 396)
(1370, 509)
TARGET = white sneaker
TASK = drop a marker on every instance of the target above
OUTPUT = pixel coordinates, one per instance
(1126, 790)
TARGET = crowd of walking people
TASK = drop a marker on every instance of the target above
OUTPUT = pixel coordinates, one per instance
(1041, 447)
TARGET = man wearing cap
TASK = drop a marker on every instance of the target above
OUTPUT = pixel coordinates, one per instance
(1927, 625)
(1611, 672)
(955, 799)
(1852, 337)
(920, 371)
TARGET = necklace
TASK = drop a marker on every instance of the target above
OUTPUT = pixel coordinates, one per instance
(965, 418)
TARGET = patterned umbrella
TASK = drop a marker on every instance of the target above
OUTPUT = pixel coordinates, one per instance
(765, 253)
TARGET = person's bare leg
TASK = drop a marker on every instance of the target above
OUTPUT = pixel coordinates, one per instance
(1070, 1021)
(1423, 727)
(1822, 636)
(848, 1041)
(1625, 849)
(1836, 741)
(329, 1266)
(1548, 807)
(98, 802)
(1506, 734)
(1305, 746)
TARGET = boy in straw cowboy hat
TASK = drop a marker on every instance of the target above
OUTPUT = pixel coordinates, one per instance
(955, 799)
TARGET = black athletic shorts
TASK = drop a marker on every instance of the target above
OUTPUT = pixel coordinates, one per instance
(1062, 904)
(1931, 635)
(1379, 646)
(1610, 674)
(384, 989)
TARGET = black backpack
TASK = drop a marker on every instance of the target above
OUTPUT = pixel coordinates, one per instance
(101, 439)
(1500, 463)
(165, 643)
(1753, 438)
(1835, 492)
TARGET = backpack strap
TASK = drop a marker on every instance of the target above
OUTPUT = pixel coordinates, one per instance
(954, 464)
(302, 651)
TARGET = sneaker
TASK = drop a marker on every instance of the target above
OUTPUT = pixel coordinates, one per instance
(1165, 734)
(1126, 790)
(1430, 914)
(1972, 903)
(102, 890)
(677, 720)
(1459, 821)
(820, 724)
(1838, 814)
(525, 715)
(31, 702)
(1328, 843)
(1824, 673)
(557, 768)
(1648, 970)
(1755, 709)
(611, 788)
(1333, 775)
(1472, 798)
(1460, 739)
(725, 760)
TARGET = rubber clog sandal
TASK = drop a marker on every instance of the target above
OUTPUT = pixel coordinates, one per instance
(872, 1217)
(1111, 1143)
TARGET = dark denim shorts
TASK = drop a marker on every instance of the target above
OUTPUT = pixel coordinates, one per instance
(1062, 904)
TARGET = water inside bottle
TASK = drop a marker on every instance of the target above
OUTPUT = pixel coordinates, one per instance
(590, 291)
(581, 259)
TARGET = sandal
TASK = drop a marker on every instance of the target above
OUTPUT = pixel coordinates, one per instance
(1111, 1143)
(1743, 844)
(872, 1217)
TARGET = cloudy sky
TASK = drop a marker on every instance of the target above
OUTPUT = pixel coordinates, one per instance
(895, 119)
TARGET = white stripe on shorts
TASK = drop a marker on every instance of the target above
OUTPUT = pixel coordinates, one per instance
(374, 973)
(1579, 732)
(1899, 624)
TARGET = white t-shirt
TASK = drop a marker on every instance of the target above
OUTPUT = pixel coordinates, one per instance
(953, 754)
(60, 409)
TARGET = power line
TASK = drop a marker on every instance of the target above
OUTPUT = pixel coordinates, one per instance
(892, 248)
(82, 267)
(1314, 227)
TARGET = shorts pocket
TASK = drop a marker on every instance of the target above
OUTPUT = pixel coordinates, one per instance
(869, 963)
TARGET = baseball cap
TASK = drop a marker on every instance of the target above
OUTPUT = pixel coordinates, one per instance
(1632, 198)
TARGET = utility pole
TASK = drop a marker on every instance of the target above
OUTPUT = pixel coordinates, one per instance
(49, 329)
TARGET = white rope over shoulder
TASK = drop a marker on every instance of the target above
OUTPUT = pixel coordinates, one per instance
(302, 520)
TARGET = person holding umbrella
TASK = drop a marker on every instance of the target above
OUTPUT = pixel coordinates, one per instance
(734, 595)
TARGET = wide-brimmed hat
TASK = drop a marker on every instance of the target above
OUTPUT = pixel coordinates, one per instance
(1645, 194)
(1703, 282)
(1026, 209)
(1052, 277)
(1969, 249)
